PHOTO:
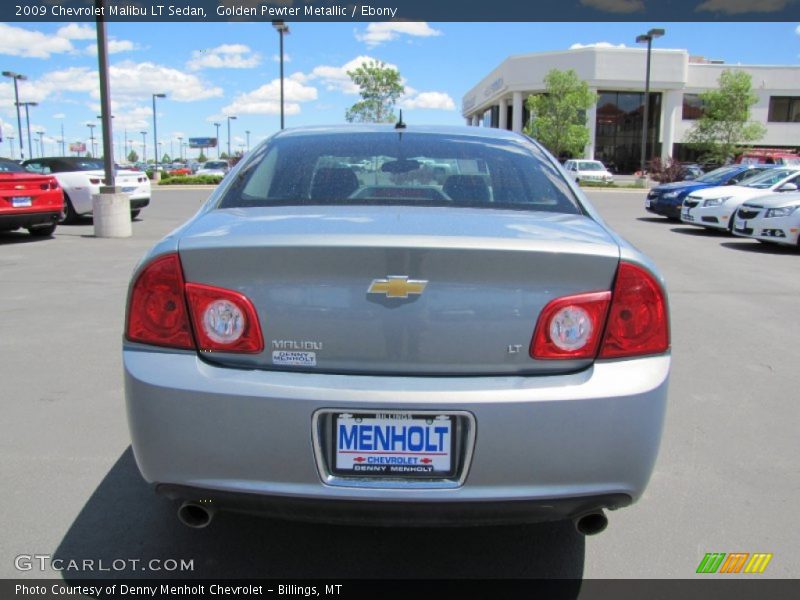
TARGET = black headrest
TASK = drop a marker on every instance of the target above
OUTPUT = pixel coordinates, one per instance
(466, 188)
(333, 184)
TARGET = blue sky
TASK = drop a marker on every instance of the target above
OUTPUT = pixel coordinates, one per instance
(211, 70)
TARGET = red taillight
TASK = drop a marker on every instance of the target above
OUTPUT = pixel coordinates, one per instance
(224, 320)
(638, 322)
(157, 314)
(631, 320)
(570, 327)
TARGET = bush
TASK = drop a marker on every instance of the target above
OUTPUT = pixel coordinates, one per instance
(191, 180)
(665, 171)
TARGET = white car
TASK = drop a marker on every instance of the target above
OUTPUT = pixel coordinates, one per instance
(214, 167)
(81, 178)
(715, 207)
(771, 218)
(588, 170)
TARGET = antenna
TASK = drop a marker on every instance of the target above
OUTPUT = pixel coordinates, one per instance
(400, 124)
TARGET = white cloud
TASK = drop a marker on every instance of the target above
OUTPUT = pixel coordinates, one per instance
(380, 33)
(16, 41)
(737, 7)
(336, 78)
(597, 45)
(617, 6)
(429, 100)
(59, 116)
(266, 100)
(140, 80)
(73, 31)
(114, 47)
(226, 56)
(286, 58)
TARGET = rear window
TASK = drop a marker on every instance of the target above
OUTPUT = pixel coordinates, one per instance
(391, 168)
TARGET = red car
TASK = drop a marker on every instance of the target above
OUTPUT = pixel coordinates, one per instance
(29, 200)
(179, 170)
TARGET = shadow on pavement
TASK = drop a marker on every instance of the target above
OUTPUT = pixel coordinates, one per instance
(656, 220)
(124, 519)
(699, 231)
(759, 248)
(20, 237)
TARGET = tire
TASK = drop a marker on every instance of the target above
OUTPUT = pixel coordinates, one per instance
(135, 213)
(730, 223)
(70, 216)
(45, 231)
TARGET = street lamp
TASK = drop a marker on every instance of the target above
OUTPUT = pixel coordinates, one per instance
(144, 148)
(217, 126)
(11, 139)
(41, 143)
(282, 28)
(180, 148)
(229, 136)
(248, 140)
(91, 127)
(63, 140)
(17, 77)
(28, 125)
(155, 135)
(640, 39)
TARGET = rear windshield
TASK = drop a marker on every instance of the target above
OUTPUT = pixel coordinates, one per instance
(769, 178)
(388, 168)
(7, 166)
(590, 166)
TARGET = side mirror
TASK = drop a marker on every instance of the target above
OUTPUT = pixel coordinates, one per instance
(788, 187)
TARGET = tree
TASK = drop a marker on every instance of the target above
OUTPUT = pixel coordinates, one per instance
(166, 159)
(133, 157)
(559, 114)
(725, 124)
(202, 158)
(380, 88)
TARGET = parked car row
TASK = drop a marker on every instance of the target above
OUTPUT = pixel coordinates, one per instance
(754, 201)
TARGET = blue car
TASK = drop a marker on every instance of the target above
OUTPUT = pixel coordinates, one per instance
(666, 199)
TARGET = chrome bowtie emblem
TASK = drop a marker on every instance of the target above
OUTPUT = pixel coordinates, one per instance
(397, 286)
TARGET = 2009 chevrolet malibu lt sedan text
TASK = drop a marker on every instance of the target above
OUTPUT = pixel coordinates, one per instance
(380, 324)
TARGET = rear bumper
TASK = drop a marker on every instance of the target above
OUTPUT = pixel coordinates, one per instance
(546, 447)
(28, 219)
(420, 514)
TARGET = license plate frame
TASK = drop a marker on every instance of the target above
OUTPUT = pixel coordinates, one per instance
(21, 201)
(431, 455)
(128, 189)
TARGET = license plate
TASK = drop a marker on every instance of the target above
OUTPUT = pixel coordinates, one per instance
(397, 445)
(128, 189)
(647, 202)
(21, 201)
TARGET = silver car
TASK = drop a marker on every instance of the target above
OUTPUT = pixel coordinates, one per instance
(390, 346)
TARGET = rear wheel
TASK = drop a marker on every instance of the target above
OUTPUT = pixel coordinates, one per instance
(44, 231)
(70, 216)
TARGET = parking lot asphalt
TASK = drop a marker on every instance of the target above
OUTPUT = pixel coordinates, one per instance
(726, 479)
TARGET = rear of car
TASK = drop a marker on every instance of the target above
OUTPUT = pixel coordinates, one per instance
(773, 218)
(715, 208)
(395, 345)
(667, 199)
(33, 202)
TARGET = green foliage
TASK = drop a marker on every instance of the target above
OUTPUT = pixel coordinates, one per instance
(133, 157)
(202, 158)
(725, 125)
(166, 159)
(559, 114)
(380, 88)
(192, 180)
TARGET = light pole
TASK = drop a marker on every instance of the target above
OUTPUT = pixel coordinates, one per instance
(180, 148)
(229, 136)
(28, 125)
(144, 148)
(17, 77)
(155, 135)
(11, 139)
(282, 28)
(640, 39)
(63, 140)
(248, 140)
(91, 127)
(41, 143)
(217, 126)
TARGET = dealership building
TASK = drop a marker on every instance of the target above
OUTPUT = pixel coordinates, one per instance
(618, 76)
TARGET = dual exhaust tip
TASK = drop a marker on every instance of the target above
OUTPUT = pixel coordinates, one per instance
(195, 515)
(198, 516)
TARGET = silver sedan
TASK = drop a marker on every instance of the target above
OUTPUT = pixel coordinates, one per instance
(397, 343)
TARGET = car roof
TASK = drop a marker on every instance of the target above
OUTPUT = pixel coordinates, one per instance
(772, 199)
(478, 132)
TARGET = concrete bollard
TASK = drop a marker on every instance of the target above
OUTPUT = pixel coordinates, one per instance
(112, 215)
